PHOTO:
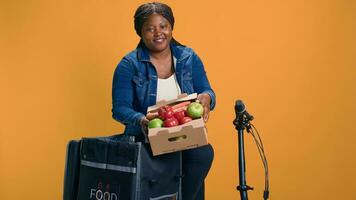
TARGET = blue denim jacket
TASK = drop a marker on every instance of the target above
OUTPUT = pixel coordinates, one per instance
(135, 84)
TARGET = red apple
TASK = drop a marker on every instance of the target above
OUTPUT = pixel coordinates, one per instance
(185, 120)
(170, 122)
(165, 112)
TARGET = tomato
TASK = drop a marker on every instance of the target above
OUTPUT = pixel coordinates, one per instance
(165, 112)
(170, 122)
(185, 120)
(180, 114)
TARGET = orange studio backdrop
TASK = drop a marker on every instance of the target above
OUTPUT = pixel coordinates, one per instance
(291, 62)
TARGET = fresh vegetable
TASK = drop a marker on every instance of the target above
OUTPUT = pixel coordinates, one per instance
(170, 122)
(180, 114)
(181, 105)
(185, 120)
(165, 112)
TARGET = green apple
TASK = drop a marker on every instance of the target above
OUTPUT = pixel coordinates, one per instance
(155, 123)
(195, 110)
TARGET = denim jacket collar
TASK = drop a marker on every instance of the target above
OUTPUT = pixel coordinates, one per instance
(144, 56)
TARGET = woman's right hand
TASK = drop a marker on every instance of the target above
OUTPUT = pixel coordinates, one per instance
(144, 122)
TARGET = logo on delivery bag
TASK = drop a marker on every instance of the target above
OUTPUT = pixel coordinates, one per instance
(100, 193)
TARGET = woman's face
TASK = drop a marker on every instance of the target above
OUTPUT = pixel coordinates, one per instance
(156, 33)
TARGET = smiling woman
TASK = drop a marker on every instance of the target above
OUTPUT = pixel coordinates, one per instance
(156, 33)
(162, 68)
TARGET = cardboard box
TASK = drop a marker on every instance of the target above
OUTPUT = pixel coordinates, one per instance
(186, 136)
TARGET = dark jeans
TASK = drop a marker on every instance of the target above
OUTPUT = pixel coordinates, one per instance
(196, 165)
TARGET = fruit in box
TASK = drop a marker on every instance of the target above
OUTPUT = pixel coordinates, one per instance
(155, 123)
(195, 110)
(174, 115)
(192, 134)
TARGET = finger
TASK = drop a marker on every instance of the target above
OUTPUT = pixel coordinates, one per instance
(144, 121)
(144, 129)
(206, 117)
(151, 115)
(206, 114)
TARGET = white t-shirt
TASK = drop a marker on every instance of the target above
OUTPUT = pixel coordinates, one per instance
(168, 89)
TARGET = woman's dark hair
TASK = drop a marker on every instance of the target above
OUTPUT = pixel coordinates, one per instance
(144, 11)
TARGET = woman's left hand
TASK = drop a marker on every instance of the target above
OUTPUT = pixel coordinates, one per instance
(204, 99)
